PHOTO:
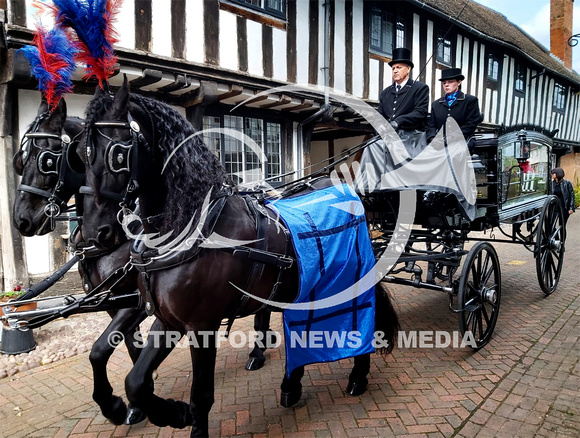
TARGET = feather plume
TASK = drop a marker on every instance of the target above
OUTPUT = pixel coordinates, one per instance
(52, 61)
(92, 21)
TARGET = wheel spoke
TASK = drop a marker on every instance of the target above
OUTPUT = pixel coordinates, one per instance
(485, 315)
(484, 269)
(550, 282)
(468, 319)
(474, 274)
(551, 264)
(487, 275)
(472, 288)
(474, 325)
(480, 324)
(470, 301)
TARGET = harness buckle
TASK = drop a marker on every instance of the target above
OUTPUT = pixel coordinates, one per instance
(52, 209)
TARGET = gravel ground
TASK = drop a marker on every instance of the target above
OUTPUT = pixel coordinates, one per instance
(60, 339)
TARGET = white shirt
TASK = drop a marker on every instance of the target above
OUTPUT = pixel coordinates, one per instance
(402, 84)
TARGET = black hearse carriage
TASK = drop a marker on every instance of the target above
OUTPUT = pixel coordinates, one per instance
(513, 204)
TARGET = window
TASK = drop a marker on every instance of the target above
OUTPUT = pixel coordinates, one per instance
(559, 101)
(444, 49)
(518, 185)
(493, 67)
(242, 161)
(212, 139)
(387, 31)
(520, 78)
(272, 7)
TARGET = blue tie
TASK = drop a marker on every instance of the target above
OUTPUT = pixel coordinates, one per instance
(451, 98)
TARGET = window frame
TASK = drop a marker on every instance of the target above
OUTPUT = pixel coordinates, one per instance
(559, 104)
(265, 166)
(493, 56)
(520, 75)
(398, 22)
(438, 36)
(262, 9)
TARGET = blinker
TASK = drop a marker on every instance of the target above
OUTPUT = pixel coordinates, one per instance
(117, 155)
(48, 162)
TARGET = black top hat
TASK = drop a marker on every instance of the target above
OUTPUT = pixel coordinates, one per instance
(401, 56)
(451, 73)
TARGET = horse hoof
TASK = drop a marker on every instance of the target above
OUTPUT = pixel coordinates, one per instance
(255, 363)
(356, 388)
(134, 415)
(288, 399)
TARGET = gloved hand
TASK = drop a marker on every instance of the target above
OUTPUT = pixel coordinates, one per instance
(394, 124)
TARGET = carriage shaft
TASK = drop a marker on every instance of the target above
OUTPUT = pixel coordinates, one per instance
(417, 284)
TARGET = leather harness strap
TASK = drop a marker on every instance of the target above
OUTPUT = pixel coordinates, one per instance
(257, 266)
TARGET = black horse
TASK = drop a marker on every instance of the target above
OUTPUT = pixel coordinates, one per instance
(139, 147)
(51, 174)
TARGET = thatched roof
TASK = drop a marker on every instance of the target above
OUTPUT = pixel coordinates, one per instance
(495, 25)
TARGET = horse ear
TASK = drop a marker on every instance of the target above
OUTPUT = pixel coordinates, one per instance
(98, 92)
(17, 163)
(120, 106)
(43, 107)
(58, 116)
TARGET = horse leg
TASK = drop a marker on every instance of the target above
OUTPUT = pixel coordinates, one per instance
(261, 325)
(357, 381)
(134, 415)
(139, 385)
(124, 321)
(292, 388)
(202, 388)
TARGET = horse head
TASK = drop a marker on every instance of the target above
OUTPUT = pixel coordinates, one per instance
(51, 172)
(137, 148)
(114, 150)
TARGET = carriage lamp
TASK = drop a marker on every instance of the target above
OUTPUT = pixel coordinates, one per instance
(522, 147)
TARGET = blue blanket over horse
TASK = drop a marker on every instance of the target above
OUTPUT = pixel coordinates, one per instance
(334, 252)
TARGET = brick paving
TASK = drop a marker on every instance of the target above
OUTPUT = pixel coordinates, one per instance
(525, 382)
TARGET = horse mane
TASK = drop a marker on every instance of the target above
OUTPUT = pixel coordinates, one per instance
(192, 170)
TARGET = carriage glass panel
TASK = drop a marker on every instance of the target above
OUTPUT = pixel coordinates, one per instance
(524, 181)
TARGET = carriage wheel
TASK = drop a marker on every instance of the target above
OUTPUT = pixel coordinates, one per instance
(549, 250)
(479, 294)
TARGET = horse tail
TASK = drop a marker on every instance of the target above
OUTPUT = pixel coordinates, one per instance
(386, 319)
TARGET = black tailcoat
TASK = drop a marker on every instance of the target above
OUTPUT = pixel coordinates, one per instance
(465, 111)
(408, 108)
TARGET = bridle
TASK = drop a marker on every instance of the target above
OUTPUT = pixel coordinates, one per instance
(48, 163)
(120, 157)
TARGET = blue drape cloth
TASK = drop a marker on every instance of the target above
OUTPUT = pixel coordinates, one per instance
(334, 252)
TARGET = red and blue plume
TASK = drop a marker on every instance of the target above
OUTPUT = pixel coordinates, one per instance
(92, 21)
(52, 61)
